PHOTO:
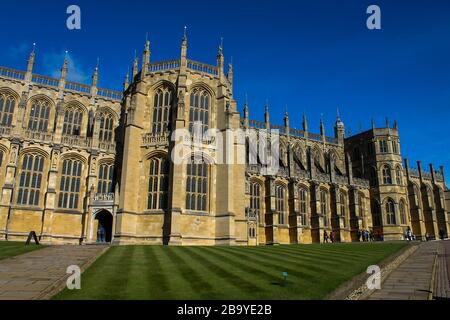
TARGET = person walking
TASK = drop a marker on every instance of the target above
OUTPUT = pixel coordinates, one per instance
(409, 234)
(325, 236)
(101, 234)
(332, 236)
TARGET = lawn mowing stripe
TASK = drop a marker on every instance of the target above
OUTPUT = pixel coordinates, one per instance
(242, 261)
(266, 256)
(121, 279)
(137, 286)
(325, 249)
(337, 256)
(295, 255)
(301, 280)
(157, 273)
(190, 275)
(235, 261)
(281, 266)
(205, 271)
(340, 255)
(102, 278)
(216, 265)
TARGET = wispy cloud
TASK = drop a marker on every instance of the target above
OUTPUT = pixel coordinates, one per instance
(76, 71)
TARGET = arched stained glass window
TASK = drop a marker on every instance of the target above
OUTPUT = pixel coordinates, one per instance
(162, 108)
(255, 200)
(387, 177)
(106, 127)
(158, 184)
(39, 115)
(197, 185)
(70, 184)
(390, 212)
(7, 107)
(105, 178)
(280, 203)
(199, 111)
(73, 118)
(30, 180)
(303, 205)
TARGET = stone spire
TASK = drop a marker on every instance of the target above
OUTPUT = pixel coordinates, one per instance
(339, 129)
(246, 111)
(135, 67)
(145, 58)
(62, 80)
(305, 123)
(267, 114)
(184, 48)
(322, 126)
(220, 60)
(126, 83)
(230, 73)
(286, 118)
(30, 65)
(95, 75)
(65, 66)
(95, 79)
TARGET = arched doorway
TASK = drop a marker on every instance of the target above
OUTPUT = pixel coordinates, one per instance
(104, 226)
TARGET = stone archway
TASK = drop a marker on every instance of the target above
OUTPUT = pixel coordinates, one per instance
(104, 226)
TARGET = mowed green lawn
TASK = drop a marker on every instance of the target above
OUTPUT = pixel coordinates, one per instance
(154, 272)
(11, 249)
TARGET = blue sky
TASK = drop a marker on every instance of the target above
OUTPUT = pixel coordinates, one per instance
(313, 56)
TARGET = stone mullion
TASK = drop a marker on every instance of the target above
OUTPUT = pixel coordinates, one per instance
(296, 218)
(7, 198)
(50, 196)
(271, 213)
(21, 115)
(59, 123)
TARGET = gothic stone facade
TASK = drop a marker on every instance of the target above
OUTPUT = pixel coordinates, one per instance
(76, 158)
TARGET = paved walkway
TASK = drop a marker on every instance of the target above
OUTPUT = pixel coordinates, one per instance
(442, 278)
(36, 275)
(413, 279)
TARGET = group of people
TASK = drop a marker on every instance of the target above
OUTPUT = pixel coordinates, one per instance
(362, 235)
(365, 235)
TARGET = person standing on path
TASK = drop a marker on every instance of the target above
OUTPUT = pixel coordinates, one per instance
(325, 237)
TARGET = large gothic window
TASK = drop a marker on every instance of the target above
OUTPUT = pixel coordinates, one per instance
(106, 128)
(73, 118)
(402, 209)
(390, 213)
(162, 110)
(343, 207)
(398, 175)
(280, 203)
(303, 204)
(376, 213)
(387, 177)
(383, 146)
(30, 180)
(199, 110)
(105, 178)
(255, 200)
(362, 205)
(197, 186)
(158, 184)
(7, 106)
(70, 185)
(324, 206)
(39, 115)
